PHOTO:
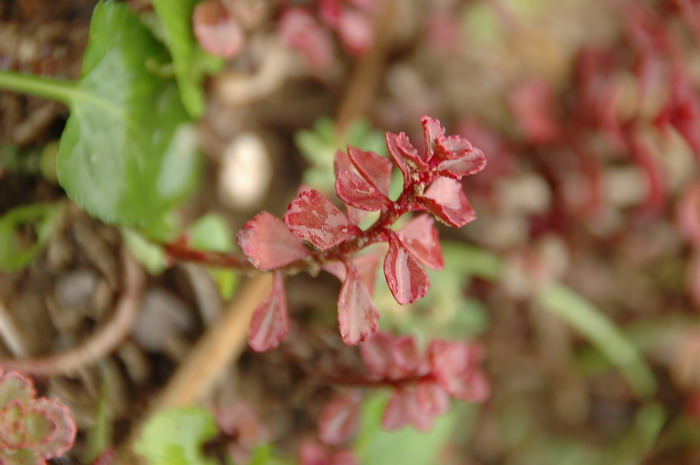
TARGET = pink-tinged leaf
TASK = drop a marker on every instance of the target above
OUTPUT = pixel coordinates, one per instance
(342, 162)
(358, 193)
(688, 215)
(366, 266)
(330, 11)
(421, 237)
(446, 200)
(311, 453)
(300, 31)
(356, 31)
(13, 433)
(15, 386)
(432, 131)
(469, 163)
(217, 31)
(374, 168)
(404, 357)
(407, 280)
(313, 218)
(456, 367)
(269, 244)
(402, 409)
(269, 325)
(392, 145)
(432, 398)
(376, 354)
(56, 419)
(357, 315)
(339, 420)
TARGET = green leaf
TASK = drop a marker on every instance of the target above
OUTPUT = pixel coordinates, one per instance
(176, 437)
(404, 447)
(188, 57)
(42, 218)
(126, 155)
(211, 232)
(603, 334)
(150, 255)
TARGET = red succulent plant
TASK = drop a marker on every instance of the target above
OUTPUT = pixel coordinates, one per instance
(315, 233)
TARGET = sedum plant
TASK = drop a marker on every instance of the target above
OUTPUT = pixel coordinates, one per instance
(32, 430)
(315, 234)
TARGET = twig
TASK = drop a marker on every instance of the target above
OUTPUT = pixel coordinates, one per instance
(219, 346)
(10, 333)
(368, 72)
(103, 341)
(181, 252)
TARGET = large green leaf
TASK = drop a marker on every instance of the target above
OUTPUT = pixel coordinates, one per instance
(190, 61)
(125, 155)
(176, 437)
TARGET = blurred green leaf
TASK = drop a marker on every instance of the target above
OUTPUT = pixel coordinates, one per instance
(602, 333)
(150, 255)
(211, 232)
(21, 223)
(191, 62)
(404, 447)
(176, 437)
(126, 155)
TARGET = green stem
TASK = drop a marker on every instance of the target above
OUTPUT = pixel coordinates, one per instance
(49, 88)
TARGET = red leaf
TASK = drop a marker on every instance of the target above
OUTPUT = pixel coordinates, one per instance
(269, 325)
(421, 237)
(339, 420)
(432, 131)
(374, 168)
(314, 218)
(355, 191)
(357, 315)
(311, 453)
(356, 31)
(469, 163)
(446, 200)
(432, 398)
(455, 366)
(366, 266)
(217, 31)
(402, 409)
(407, 280)
(404, 356)
(392, 144)
(375, 354)
(300, 31)
(269, 244)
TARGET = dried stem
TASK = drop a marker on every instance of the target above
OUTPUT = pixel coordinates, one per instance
(103, 341)
(219, 347)
(370, 67)
(10, 333)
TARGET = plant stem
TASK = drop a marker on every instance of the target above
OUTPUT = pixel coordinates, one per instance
(49, 88)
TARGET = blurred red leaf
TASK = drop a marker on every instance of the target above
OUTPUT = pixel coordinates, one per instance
(269, 325)
(455, 366)
(357, 192)
(217, 31)
(339, 420)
